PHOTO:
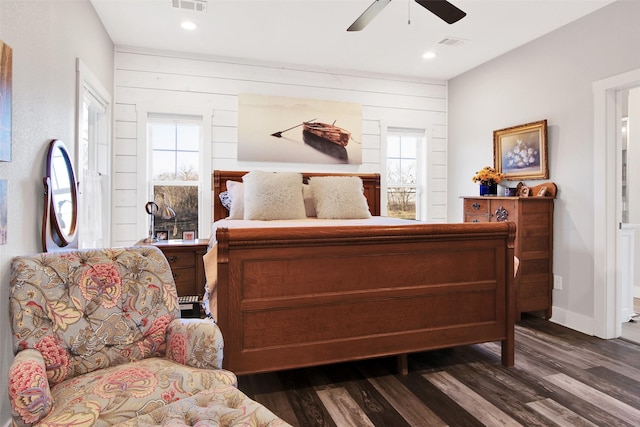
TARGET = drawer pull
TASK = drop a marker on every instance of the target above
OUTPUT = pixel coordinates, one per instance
(476, 206)
(175, 275)
(502, 214)
(475, 220)
(172, 258)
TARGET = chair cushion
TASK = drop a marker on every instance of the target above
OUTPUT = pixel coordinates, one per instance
(119, 393)
(222, 405)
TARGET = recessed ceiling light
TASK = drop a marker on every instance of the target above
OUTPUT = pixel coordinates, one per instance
(188, 25)
(429, 55)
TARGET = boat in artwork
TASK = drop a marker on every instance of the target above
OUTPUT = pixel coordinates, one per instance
(329, 132)
(325, 146)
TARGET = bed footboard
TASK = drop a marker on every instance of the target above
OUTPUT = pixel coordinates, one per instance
(296, 297)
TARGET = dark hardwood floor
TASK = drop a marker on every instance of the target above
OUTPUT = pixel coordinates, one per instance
(561, 378)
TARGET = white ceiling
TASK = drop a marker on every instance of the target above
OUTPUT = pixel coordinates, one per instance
(312, 33)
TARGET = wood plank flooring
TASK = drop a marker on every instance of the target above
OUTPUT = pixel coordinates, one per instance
(561, 378)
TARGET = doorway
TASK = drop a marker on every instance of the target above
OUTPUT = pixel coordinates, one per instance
(93, 159)
(613, 261)
(629, 228)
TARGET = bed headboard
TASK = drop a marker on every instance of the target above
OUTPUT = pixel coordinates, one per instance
(370, 181)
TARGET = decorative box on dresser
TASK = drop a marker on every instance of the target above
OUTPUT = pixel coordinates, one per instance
(533, 217)
(187, 266)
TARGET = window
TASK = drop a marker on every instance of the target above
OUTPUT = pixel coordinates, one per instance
(404, 172)
(175, 143)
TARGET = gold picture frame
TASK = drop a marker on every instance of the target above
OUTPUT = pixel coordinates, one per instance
(520, 152)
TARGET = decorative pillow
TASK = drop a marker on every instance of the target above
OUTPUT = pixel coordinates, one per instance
(339, 197)
(309, 204)
(225, 199)
(273, 195)
(236, 194)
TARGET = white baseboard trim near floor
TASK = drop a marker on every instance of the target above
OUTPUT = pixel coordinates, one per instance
(575, 321)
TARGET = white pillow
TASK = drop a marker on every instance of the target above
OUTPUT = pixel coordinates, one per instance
(236, 193)
(339, 197)
(273, 195)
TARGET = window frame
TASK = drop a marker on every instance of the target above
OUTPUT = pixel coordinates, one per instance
(175, 120)
(204, 113)
(421, 165)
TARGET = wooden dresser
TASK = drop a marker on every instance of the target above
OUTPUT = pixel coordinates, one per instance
(185, 259)
(533, 217)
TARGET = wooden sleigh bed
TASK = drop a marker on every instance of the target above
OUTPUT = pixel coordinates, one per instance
(303, 296)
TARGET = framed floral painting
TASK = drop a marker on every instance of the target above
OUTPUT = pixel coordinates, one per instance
(520, 152)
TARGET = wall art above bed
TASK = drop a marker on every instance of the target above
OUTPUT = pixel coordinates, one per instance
(280, 129)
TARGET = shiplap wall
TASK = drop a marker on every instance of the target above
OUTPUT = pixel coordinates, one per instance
(168, 82)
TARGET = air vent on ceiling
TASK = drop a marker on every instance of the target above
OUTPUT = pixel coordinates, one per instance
(451, 41)
(197, 5)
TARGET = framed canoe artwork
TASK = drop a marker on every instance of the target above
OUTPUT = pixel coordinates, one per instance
(280, 129)
(6, 78)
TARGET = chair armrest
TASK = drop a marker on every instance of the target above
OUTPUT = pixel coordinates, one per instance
(29, 392)
(195, 342)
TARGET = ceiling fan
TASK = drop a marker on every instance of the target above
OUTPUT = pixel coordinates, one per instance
(441, 8)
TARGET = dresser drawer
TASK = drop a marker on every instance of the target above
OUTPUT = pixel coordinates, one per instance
(476, 206)
(179, 259)
(475, 217)
(186, 282)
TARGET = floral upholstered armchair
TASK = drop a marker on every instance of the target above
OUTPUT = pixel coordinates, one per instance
(99, 341)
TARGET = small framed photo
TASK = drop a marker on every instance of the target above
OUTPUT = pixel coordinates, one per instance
(542, 192)
(520, 152)
(188, 235)
(524, 191)
(162, 235)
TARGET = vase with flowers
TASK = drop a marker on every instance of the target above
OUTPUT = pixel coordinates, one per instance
(489, 179)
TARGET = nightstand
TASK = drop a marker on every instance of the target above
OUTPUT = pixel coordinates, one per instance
(185, 259)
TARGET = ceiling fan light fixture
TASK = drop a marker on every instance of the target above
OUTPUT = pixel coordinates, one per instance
(429, 55)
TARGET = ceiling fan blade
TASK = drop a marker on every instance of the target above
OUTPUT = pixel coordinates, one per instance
(368, 15)
(443, 10)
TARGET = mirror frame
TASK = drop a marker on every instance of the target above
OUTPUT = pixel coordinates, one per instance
(53, 236)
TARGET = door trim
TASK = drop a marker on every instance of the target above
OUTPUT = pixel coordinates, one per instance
(605, 214)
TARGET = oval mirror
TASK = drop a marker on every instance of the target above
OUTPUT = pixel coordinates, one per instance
(61, 200)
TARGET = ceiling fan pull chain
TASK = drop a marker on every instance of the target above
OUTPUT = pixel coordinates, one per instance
(409, 12)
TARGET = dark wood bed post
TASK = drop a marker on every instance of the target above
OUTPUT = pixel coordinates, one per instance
(508, 345)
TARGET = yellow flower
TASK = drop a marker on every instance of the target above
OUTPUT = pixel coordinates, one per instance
(487, 176)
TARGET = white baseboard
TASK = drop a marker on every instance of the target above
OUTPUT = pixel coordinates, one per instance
(575, 321)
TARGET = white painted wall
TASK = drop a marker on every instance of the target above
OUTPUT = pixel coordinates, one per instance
(550, 78)
(46, 38)
(152, 81)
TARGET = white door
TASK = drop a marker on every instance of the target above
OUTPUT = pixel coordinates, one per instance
(94, 161)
